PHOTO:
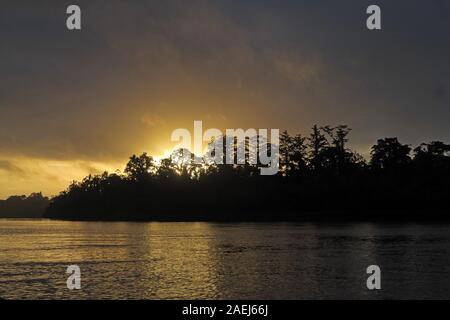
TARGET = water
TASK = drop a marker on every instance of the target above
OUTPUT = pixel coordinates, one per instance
(222, 261)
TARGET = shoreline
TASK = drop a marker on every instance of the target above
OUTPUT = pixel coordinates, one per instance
(320, 221)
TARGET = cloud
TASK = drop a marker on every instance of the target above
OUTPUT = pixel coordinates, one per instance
(140, 69)
(8, 166)
(153, 120)
(299, 73)
(26, 175)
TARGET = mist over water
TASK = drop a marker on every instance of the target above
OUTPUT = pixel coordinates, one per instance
(222, 261)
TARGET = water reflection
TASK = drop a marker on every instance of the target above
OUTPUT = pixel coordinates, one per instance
(222, 261)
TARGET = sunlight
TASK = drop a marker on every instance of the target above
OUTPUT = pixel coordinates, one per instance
(166, 154)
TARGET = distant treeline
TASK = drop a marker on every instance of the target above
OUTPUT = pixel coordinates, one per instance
(32, 206)
(320, 178)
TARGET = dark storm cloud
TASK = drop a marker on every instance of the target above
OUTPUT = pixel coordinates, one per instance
(292, 63)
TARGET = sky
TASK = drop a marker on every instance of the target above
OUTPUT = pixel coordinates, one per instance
(80, 102)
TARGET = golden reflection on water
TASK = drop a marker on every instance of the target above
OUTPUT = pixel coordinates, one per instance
(182, 261)
(118, 260)
(220, 261)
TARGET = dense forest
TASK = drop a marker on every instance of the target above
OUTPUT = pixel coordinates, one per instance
(320, 179)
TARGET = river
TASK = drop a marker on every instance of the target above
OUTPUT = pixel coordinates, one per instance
(222, 261)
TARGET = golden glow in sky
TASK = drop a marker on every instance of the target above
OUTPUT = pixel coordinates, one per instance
(80, 103)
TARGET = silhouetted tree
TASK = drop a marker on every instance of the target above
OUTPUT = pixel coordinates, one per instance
(433, 149)
(317, 144)
(298, 157)
(166, 170)
(432, 156)
(389, 154)
(337, 155)
(285, 151)
(140, 167)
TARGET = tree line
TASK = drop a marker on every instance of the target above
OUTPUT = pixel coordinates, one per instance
(320, 178)
(32, 206)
